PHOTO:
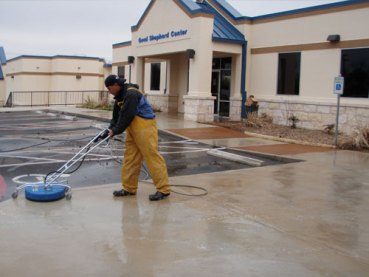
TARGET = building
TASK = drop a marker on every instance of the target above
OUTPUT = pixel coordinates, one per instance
(2, 78)
(48, 80)
(202, 58)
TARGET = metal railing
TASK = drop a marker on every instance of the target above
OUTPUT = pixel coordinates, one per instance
(49, 98)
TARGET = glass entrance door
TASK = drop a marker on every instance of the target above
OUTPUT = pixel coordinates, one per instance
(224, 92)
(221, 85)
(215, 84)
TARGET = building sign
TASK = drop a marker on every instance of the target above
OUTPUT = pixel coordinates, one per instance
(163, 36)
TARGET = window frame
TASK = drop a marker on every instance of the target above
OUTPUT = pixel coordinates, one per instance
(124, 72)
(152, 65)
(299, 53)
(341, 72)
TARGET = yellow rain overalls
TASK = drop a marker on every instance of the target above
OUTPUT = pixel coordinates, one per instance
(142, 144)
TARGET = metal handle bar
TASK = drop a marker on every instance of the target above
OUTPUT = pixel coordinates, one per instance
(53, 177)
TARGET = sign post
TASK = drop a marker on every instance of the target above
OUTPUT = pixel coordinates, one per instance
(338, 89)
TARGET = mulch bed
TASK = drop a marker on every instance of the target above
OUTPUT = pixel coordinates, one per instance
(286, 132)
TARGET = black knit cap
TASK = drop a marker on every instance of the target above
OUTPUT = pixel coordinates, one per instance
(111, 80)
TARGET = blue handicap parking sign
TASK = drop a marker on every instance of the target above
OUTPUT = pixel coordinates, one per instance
(338, 85)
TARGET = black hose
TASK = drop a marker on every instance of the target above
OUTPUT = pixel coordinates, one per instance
(42, 143)
(22, 148)
(70, 172)
(205, 192)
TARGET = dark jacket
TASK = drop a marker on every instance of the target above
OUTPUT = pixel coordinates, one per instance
(129, 103)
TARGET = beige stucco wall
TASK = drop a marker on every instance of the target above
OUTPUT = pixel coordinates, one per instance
(175, 19)
(147, 87)
(318, 67)
(54, 74)
(2, 92)
(178, 78)
(177, 68)
(74, 65)
(120, 54)
(349, 24)
(315, 105)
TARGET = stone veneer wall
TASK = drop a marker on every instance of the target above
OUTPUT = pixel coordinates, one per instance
(163, 102)
(199, 108)
(314, 115)
(235, 109)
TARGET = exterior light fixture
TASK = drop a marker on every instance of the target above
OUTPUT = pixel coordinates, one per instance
(333, 38)
(131, 59)
(190, 53)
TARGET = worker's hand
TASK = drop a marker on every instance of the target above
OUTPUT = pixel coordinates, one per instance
(111, 134)
(102, 136)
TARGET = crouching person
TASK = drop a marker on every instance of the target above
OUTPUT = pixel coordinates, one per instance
(132, 113)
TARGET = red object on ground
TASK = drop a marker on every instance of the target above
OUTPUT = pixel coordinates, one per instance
(3, 187)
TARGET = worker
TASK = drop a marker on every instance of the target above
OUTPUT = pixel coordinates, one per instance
(251, 104)
(133, 113)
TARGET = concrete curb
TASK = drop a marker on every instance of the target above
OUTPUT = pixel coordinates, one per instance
(280, 158)
(288, 140)
(92, 117)
(235, 158)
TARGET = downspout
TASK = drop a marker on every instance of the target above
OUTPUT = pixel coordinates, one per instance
(243, 80)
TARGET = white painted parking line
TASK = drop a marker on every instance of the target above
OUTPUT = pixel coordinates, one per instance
(27, 157)
(53, 162)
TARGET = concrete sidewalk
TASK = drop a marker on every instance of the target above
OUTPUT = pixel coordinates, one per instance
(299, 219)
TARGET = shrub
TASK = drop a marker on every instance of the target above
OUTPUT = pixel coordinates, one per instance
(329, 128)
(253, 120)
(293, 120)
(358, 140)
(89, 103)
(103, 105)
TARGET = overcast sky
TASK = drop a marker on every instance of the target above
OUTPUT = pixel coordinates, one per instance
(89, 28)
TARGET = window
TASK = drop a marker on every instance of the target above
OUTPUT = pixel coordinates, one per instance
(155, 76)
(289, 73)
(121, 71)
(355, 70)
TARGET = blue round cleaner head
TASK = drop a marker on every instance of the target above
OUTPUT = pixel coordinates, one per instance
(39, 193)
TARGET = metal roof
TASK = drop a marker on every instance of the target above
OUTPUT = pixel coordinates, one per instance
(235, 15)
(2, 56)
(58, 56)
(191, 5)
(230, 9)
(223, 30)
(2, 61)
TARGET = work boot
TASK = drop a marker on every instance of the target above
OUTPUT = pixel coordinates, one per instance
(122, 192)
(158, 196)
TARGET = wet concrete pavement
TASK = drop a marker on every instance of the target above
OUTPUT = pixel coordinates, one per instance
(299, 219)
(34, 144)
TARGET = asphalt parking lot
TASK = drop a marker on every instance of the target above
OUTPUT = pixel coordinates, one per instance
(35, 143)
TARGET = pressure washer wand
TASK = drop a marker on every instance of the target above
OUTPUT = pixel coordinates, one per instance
(43, 191)
(97, 140)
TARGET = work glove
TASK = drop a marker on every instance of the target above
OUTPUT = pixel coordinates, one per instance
(104, 135)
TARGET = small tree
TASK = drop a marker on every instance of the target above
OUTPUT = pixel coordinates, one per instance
(293, 120)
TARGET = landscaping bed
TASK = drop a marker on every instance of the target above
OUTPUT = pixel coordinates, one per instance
(264, 126)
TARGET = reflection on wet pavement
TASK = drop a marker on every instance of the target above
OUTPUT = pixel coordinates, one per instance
(32, 144)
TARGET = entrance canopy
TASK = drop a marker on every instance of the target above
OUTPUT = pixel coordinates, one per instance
(187, 36)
